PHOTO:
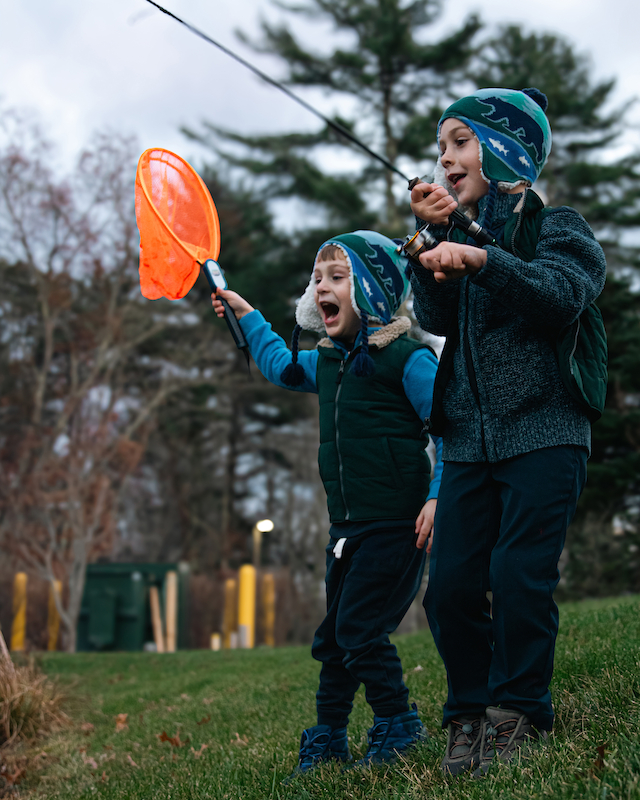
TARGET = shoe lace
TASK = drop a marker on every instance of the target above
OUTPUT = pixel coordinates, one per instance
(376, 735)
(498, 736)
(313, 747)
(464, 733)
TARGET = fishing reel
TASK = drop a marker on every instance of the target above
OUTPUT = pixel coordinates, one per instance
(423, 240)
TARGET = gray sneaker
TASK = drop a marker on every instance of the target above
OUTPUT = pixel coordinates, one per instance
(506, 734)
(463, 745)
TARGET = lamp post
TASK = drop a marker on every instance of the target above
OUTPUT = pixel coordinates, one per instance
(262, 526)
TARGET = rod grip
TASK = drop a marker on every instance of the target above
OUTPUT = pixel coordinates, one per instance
(234, 325)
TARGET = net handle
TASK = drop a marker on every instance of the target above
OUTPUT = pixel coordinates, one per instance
(206, 196)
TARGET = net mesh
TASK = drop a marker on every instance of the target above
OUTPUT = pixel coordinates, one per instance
(178, 224)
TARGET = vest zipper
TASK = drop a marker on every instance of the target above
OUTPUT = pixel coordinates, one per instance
(335, 422)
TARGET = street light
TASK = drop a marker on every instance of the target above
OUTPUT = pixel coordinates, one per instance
(262, 526)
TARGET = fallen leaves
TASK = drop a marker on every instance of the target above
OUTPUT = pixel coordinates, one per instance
(11, 779)
(174, 741)
(418, 668)
(198, 753)
(87, 728)
(240, 741)
(204, 720)
(132, 762)
(89, 761)
(121, 722)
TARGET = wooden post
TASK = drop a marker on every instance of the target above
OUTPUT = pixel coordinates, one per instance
(171, 610)
(229, 624)
(257, 546)
(18, 629)
(269, 608)
(215, 641)
(247, 606)
(156, 619)
(53, 618)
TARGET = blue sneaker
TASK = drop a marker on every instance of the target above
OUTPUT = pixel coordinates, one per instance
(318, 744)
(392, 735)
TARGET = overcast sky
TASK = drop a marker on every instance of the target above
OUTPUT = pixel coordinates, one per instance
(84, 65)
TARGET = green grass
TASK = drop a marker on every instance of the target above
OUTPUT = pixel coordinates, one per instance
(241, 713)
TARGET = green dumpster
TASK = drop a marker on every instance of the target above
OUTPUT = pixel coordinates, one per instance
(115, 612)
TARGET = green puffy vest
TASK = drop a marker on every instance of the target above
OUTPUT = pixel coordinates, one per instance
(372, 458)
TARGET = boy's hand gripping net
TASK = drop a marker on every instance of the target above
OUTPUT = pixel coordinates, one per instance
(179, 231)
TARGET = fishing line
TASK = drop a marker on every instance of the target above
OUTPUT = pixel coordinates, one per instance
(331, 123)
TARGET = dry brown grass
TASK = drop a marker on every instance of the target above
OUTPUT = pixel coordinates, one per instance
(30, 703)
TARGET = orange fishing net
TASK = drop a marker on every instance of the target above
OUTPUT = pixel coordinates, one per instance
(178, 223)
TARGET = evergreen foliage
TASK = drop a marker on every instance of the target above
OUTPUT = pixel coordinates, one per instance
(397, 81)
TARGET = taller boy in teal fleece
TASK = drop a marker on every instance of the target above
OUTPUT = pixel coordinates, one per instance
(374, 386)
(515, 441)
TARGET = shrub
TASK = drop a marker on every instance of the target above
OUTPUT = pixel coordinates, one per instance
(30, 703)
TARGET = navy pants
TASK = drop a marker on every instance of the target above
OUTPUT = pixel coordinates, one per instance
(369, 589)
(501, 527)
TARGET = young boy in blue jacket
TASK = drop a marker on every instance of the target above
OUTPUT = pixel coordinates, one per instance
(374, 386)
(515, 441)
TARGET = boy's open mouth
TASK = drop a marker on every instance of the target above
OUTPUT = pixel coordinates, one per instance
(330, 312)
(455, 179)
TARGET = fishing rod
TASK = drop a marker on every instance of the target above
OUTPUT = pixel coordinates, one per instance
(414, 244)
(332, 123)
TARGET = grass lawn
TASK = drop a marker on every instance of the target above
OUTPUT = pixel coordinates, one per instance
(226, 725)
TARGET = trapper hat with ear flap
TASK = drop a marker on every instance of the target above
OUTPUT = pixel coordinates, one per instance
(512, 129)
(379, 286)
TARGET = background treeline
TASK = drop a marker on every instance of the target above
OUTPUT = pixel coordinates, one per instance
(130, 430)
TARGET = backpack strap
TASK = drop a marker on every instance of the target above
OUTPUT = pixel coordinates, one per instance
(582, 353)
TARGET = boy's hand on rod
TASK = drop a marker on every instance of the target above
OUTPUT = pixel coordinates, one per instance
(432, 203)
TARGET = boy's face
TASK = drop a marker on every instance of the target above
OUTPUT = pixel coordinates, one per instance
(460, 158)
(332, 293)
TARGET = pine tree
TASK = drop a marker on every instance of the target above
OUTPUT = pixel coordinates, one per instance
(398, 84)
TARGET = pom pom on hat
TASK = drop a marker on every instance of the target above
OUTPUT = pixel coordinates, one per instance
(540, 97)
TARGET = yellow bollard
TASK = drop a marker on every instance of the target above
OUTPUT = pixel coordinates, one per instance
(247, 606)
(171, 610)
(269, 609)
(229, 624)
(18, 629)
(53, 617)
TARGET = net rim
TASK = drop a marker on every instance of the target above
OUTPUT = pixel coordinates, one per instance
(144, 158)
